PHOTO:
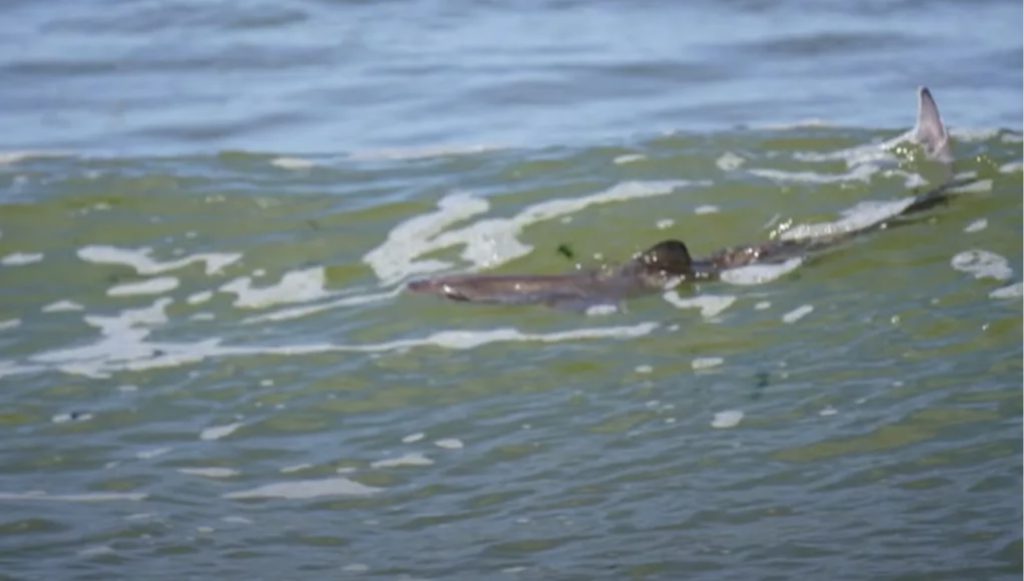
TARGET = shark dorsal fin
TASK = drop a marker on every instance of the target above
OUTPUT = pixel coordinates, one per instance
(930, 132)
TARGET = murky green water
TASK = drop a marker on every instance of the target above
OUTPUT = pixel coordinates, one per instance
(208, 368)
(265, 403)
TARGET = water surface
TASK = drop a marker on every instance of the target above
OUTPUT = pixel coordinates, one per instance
(208, 367)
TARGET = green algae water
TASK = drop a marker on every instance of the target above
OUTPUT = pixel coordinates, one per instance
(209, 368)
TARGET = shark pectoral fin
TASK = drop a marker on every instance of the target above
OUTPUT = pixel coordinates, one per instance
(930, 132)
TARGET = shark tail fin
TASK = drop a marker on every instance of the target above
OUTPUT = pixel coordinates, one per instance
(930, 132)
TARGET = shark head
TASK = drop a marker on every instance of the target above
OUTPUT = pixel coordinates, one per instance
(930, 132)
(666, 258)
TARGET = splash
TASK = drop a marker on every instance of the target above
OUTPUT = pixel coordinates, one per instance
(490, 242)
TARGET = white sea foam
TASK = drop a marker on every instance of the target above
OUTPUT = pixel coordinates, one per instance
(629, 158)
(395, 258)
(199, 297)
(306, 310)
(976, 226)
(449, 443)
(860, 173)
(10, 324)
(709, 305)
(303, 489)
(62, 306)
(122, 342)
(69, 417)
(760, 273)
(1014, 291)
(664, 223)
(21, 258)
(153, 286)
(982, 264)
(975, 187)
(412, 438)
(144, 264)
(10, 368)
(762, 305)
(910, 180)
(12, 157)
(96, 551)
(210, 472)
(870, 153)
(123, 345)
(797, 314)
(706, 209)
(411, 459)
(973, 134)
(152, 453)
(706, 363)
(218, 432)
(488, 242)
(37, 495)
(1011, 167)
(729, 161)
(727, 419)
(601, 310)
(859, 217)
(293, 163)
(414, 153)
(295, 468)
(295, 287)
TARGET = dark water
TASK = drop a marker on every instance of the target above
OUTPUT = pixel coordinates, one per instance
(207, 368)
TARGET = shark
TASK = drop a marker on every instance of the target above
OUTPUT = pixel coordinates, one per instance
(669, 263)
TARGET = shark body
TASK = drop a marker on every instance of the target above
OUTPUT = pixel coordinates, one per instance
(669, 262)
